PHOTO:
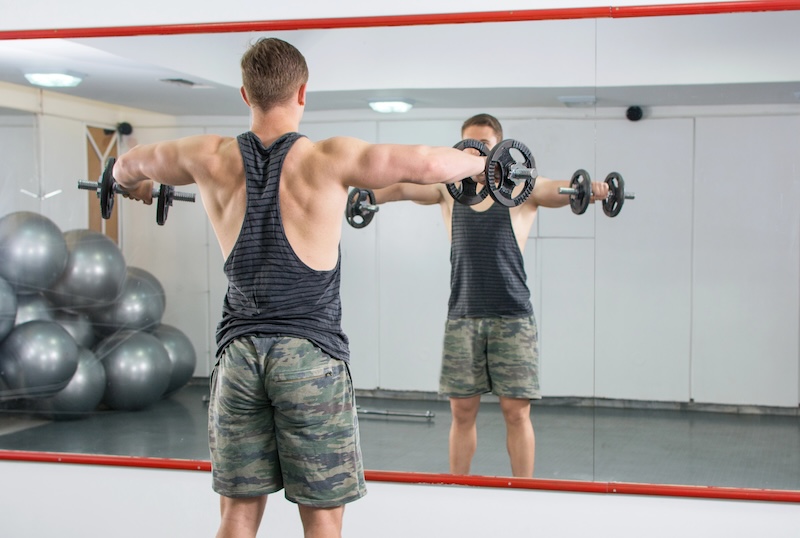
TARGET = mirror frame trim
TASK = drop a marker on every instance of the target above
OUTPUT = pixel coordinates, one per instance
(577, 486)
(655, 10)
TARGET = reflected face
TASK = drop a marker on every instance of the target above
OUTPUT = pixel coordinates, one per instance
(484, 133)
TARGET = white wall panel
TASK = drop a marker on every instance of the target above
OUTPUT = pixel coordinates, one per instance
(746, 255)
(63, 142)
(18, 163)
(559, 147)
(643, 262)
(414, 273)
(566, 319)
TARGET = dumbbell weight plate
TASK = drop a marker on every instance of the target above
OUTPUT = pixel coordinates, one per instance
(107, 188)
(466, 191)
(166, 193)
(499, 164)
(582, 183)
(616, 194)
(357, 197)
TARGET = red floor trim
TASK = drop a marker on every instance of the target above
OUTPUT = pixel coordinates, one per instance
(574, 486)
(660, 10)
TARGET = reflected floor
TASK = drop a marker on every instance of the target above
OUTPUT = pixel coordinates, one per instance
(573, 442)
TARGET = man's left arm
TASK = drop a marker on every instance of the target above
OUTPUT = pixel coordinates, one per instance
(545, 192)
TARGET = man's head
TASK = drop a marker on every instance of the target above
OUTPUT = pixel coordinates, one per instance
(483, 127)
(272, 72)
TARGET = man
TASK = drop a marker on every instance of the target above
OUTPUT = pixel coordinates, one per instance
(282, 412)
(490, 341)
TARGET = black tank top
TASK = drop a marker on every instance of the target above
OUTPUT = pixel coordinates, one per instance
(487, 272)
(270, 291)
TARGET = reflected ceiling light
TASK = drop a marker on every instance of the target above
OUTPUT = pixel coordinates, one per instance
(577, 100)
(388, 107)
(55, 79)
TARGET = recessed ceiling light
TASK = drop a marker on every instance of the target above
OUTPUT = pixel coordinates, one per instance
(63, 79)
(388, 107)
(577, 100)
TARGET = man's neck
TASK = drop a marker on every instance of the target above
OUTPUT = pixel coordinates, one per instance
(277, 121)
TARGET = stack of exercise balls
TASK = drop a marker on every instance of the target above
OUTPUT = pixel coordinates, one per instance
(80, 330)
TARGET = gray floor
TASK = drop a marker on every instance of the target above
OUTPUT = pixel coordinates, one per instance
(573, 442)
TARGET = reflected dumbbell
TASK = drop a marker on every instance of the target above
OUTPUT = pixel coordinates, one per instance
(466, 191)
(580, 193)
(107, 188)
(509, 165)
(361, 207)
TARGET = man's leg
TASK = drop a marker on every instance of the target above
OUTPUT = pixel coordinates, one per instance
(240, 516)
(321, 522)
(520, 440)
(463, 433)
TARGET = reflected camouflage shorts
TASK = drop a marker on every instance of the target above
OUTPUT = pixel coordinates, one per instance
(497, 355)
(282, 414)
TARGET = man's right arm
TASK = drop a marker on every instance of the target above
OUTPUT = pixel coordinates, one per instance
(376, 166)
(421, 194)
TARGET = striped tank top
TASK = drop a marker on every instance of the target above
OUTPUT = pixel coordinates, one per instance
(487, 272)
(271, 292)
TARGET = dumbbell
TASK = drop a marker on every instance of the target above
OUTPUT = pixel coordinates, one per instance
(359, 212)
(580, 193)
(108, 187)
(504, 173)
(466, 191)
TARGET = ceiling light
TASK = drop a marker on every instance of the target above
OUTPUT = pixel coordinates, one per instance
(577, 100)
(64, 79)
(388, 107)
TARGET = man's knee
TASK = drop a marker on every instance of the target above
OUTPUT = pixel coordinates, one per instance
(465, 410)
(516, 411)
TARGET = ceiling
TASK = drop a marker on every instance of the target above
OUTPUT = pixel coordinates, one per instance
(197, 75)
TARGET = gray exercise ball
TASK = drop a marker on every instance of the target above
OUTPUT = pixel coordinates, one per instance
(151, 278)
(78, 325)
(139, 307)
(137, 369)
(33, 253)
(83, 393)
(33, 306)
(37, 359)
(93, 275)
(181, 354)
(8, 308)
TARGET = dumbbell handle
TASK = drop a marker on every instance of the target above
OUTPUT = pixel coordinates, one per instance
(95, 186)
(368, 207)
(571, 191)
(517, 171)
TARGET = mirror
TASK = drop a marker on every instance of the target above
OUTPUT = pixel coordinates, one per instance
(668, 334)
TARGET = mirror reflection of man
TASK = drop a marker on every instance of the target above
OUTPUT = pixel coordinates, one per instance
(490, 339)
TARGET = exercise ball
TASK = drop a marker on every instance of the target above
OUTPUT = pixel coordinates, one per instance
(83, 393)
(137, 369)
(33, 306)
(8, 308)
(94, 272)
(150, 278)
(139, 307)
(78, 325)
(37, 359)
(181, 355)
(33, 253)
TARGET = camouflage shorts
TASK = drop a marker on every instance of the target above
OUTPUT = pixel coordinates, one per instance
(282, 414)
(497, 355)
